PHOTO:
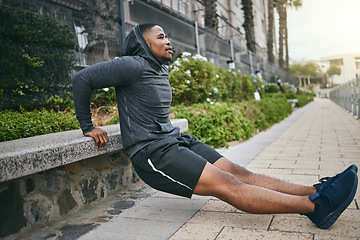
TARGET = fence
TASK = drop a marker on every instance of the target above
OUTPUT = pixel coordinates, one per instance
(348, 96)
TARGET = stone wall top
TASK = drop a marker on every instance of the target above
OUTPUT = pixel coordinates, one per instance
(26, 156)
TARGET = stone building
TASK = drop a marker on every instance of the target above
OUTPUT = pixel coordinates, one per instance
(99, 32)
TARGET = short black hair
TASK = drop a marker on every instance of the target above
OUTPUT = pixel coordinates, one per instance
(146, 27)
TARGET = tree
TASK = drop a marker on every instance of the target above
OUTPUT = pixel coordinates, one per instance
(297, 69)
(249, 25)
(270, 32)
(211, 20)
(333, 70)
(281, 11)
(304, 71)
(310, 69)
(283, 32)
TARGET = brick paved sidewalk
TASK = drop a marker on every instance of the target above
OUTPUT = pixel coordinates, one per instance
(322, 142)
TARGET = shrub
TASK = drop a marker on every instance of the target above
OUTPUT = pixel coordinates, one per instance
(195, 80)
(290, 95)
(192, 79)
(57, 115)
(104, 97)
(303, 100)
(15, 125)
(219, 123)
(272, 88)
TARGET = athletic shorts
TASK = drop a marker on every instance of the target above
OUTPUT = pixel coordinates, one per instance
(174, 165)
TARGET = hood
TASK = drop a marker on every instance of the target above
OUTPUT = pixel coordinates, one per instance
(135, 45)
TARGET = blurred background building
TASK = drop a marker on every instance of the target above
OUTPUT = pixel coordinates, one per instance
(213, 29)
(349, 65)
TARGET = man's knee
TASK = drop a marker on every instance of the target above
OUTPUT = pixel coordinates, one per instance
(215, 181)
(232, 168)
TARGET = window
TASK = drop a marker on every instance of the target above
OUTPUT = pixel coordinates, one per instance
(338, 62)
(222, 28)
(357, 62)
(81, 35)
(182, 7)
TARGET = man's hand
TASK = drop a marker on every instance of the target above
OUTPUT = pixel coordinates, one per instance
(100, 137)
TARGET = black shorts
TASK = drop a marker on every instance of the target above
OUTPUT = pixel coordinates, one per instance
(174, 165)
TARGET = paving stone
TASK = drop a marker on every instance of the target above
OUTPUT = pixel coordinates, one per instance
(219, 206)
(255, 234)
(333, 237)
(232, 219)
(338, 166)
(165, 209)
(306, 165)
(351, 214)
(192, 231)
(282, 164)
(138, 227)
(315, 172)
(303, 225)
(108, 235)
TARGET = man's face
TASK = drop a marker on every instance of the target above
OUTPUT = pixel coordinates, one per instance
(159, 43)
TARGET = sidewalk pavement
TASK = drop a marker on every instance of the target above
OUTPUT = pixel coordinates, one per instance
(318, 140)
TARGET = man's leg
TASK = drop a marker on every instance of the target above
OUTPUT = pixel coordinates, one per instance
(249, 198)
(264, 181)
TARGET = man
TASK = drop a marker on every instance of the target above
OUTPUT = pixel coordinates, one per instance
(179, 163)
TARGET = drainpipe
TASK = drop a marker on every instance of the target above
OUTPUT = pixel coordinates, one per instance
(251, 62)
(122, 18)
(232, 50)
(197, 38)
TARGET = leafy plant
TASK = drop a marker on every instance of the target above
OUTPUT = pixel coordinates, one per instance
(219, 123)
(192, 79)
(196, 80)
(22, 124)
(36, 59)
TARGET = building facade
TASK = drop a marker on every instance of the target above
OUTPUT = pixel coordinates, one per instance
(97, 25)
(349, 65)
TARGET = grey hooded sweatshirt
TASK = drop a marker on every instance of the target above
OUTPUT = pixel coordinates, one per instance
(143, 93)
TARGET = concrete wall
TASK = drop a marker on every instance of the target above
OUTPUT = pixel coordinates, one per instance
(45, 178)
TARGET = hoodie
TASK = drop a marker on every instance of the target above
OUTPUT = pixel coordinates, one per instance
(143, 93)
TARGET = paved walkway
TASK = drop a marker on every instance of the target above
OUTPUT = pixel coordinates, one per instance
(318, 140)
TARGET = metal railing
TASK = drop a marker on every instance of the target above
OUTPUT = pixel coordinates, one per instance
(348, 96)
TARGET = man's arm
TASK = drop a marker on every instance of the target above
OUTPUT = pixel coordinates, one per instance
(118, 72)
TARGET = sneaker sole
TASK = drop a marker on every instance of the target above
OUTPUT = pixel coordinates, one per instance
(333, 216)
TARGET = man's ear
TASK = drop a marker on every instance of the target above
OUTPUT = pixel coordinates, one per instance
(146, 40)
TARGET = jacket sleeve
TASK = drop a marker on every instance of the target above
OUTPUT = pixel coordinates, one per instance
(118, 72)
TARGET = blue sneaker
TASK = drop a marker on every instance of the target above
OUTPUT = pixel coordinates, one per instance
(333, 199)
(328, 180)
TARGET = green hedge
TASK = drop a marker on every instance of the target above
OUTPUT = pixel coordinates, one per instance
(211, 98)
(219, 123)
(15, 125)
(215, 124)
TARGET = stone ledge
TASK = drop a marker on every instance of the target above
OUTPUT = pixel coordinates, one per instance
(26, 156)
